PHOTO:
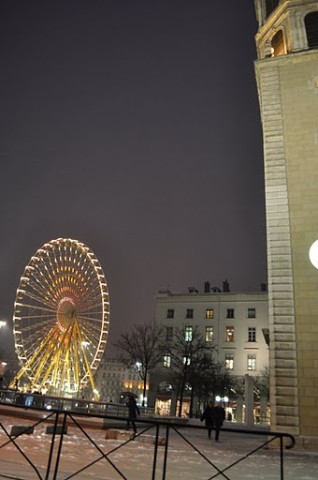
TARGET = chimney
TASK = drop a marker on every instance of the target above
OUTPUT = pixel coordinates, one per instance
(226, 286)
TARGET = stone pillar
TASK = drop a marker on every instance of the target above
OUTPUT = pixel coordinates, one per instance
(173, 407)
(249, 400)
(263, 409)
(239, 409)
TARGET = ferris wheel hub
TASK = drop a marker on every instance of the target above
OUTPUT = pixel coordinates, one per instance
(66, 313)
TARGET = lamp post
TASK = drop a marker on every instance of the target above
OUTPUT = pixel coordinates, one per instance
(2, 364)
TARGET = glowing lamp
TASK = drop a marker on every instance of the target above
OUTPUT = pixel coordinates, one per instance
(313, 254)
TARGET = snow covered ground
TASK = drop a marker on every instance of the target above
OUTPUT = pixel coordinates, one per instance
(135, 459)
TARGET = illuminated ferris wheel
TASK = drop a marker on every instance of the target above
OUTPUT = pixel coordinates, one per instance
(61, 318)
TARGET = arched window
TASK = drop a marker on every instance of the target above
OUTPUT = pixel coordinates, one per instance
(270, 6)
(278, 44)
(311, 25)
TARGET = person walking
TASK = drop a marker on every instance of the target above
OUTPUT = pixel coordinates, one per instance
(218, 419)
(208, 416)
(133, 411)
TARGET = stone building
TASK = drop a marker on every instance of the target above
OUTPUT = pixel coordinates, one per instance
(287, 80)
(236, 323)
(114, 380)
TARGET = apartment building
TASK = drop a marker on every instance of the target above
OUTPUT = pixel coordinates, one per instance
(235, 323)
(115, 380)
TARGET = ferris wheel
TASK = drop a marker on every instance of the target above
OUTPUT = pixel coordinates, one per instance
(61, 318)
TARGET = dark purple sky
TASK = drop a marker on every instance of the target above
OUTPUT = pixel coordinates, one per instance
(132, 126)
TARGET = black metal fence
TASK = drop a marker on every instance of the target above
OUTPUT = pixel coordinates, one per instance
(26, 452)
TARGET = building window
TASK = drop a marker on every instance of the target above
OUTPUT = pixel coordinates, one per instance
(209, 313)
(311, 25)
(229, 361)
(229, 334)
(169, 334)
(251, 334)
(186, 360)
(188, 334)
(270, 6)
(170, 313)
(189, 313)
(209, 334)
(230, 313)
(278, 44)
(251, 362)
(167, 361)
(251, 313)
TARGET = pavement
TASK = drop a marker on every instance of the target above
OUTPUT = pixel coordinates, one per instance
(191, 455)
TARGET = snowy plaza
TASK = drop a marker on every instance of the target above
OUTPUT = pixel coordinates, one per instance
(83, 450)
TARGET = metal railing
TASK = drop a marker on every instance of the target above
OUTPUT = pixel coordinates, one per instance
(158, 453)
(76, 405)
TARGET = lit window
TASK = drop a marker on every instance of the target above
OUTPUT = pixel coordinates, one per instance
(186, 360)
(167, 361)
(230, 313)
(209, 313)
(229, 361)
(188, 334)
(169, 334)
(251, 313)
(251, 334)
(209, 334)
(229, 334)
(251, 362)
(189, 313)
(170, 313)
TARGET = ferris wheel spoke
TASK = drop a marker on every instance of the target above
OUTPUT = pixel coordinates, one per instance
(83, 351)
(38, 336)
(91, 304)
(31, 360)
(39, 297)
(91, 318)
(36, 307)
(33, 317)
(90, 331)
(35, 338)
(38, 287)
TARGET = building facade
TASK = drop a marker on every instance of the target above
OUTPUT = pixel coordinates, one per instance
(114, 380)
(287, 80)
(235, 323)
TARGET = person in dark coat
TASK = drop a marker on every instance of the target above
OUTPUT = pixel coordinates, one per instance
(218, 419)
(133, 411)
(208, 416)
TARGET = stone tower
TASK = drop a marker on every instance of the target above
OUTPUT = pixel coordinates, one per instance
(287, 81)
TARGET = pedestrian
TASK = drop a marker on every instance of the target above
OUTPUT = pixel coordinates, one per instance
(133, 411)
(208, 416)
(218, 419)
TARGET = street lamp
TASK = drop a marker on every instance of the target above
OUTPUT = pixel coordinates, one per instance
(2, 323)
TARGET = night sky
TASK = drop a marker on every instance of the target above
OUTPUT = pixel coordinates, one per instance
(132, 126)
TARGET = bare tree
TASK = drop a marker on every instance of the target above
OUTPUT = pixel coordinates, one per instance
(141, 346)
(8, 368)
(213, 379)
(188, 351)
(261, 384)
